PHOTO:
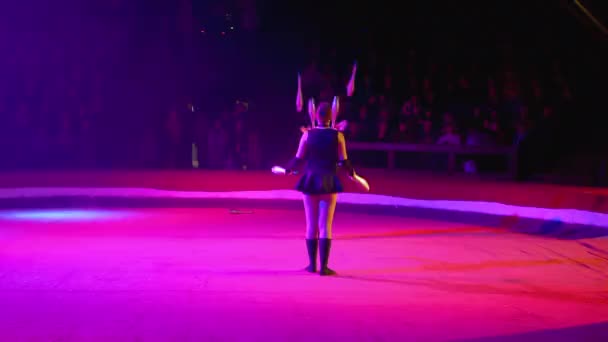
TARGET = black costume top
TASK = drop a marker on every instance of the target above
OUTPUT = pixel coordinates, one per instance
(320, 169)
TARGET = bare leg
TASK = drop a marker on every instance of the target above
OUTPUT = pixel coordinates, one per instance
(311, 209)
(327, 208)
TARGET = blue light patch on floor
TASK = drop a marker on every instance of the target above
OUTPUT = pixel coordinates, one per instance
(63, 215)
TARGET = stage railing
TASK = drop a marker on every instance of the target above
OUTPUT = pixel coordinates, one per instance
(452, 151)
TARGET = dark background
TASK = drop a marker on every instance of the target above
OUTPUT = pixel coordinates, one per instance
(129, 61)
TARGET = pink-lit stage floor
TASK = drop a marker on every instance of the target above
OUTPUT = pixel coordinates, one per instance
(145, 256)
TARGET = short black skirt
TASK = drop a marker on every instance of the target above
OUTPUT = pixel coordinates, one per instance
(319, 184)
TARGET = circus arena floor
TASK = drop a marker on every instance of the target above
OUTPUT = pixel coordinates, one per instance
(217, 256)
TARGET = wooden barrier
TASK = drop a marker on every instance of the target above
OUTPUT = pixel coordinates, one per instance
(391, 149)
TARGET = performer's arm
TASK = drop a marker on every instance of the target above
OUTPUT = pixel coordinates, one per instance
(297, 162)
(302, 146)
(343, 155)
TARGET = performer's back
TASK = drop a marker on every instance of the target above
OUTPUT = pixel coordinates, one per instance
(322, 151)
(320, 174)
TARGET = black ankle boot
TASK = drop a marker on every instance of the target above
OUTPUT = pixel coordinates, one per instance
(312, 245)
(324, 248)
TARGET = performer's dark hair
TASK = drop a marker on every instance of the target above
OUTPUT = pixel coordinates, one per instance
(324, 113)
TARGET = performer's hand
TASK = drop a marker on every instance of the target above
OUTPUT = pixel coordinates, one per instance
(342, 125)
(304, 129)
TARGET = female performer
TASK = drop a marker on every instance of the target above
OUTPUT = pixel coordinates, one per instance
(322, 150)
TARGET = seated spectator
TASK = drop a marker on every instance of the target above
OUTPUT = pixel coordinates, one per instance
(426, 134)
(521, 131)
(409, 116)
(353, 131)
(410, 106)
(522, 125)
(476, 136)
(448, 119)
(476, 118)
(361, 129)
(383, 125)
(492, 125)
(405, 133)
(449, 137)
(217, 145)
(383, 131)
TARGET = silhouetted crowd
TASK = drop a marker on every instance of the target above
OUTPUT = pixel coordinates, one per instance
(74, 117)
(427, 102)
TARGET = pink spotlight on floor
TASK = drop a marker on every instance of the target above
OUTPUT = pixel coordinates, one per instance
(205, 274)
(233, 272)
